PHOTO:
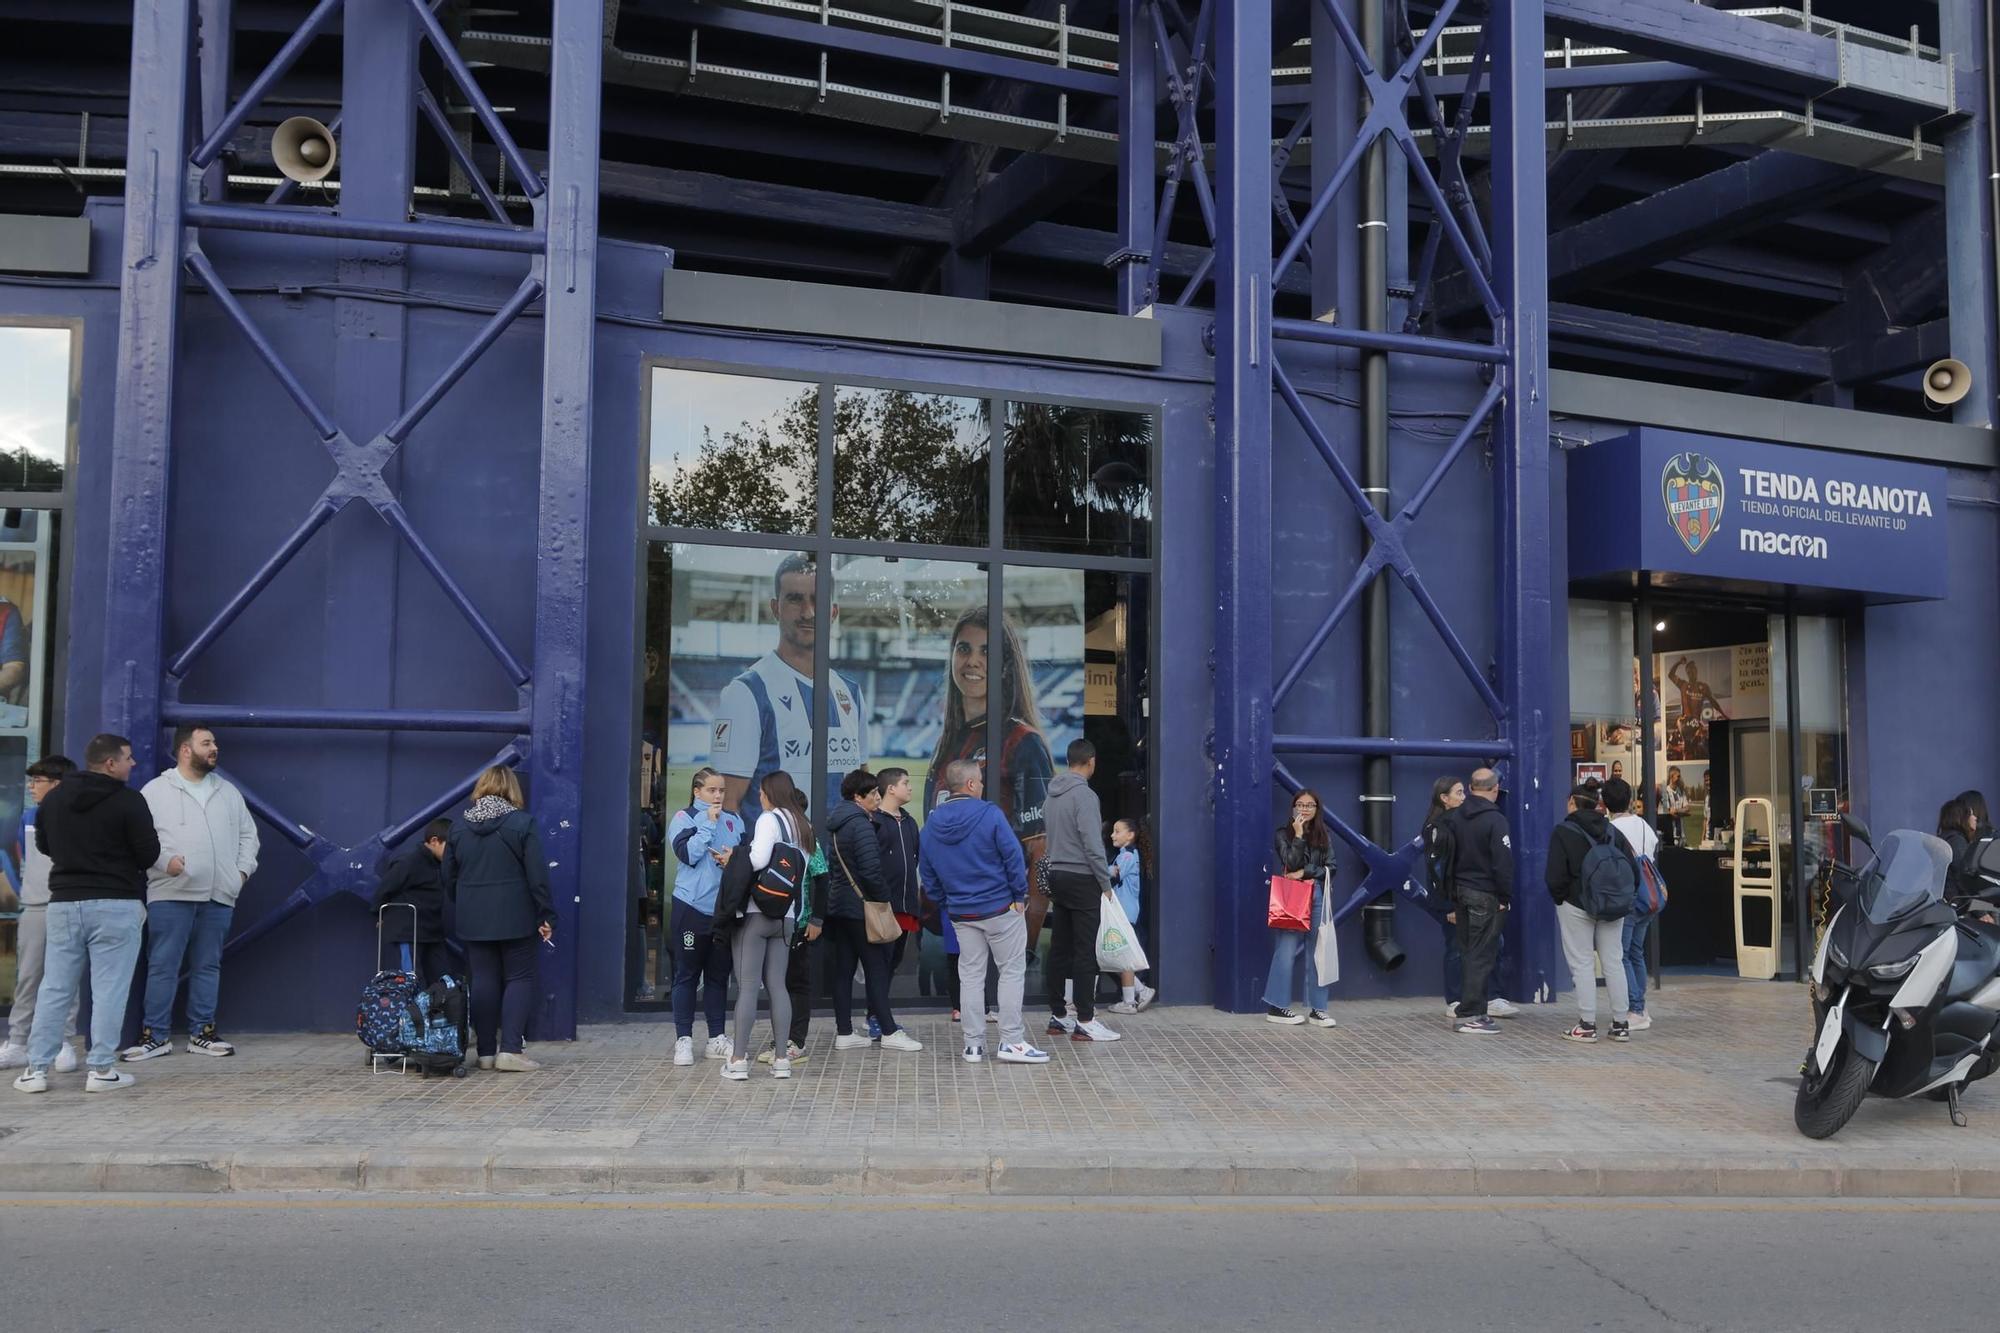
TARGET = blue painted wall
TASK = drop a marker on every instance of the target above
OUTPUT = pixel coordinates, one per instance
(247, 466)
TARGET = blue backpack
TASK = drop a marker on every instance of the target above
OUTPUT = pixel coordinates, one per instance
(433, 1022)
(1608, 883)
(378, 1019)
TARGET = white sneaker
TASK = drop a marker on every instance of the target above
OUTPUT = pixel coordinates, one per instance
(1498, 1008)
(1320, 1018)
(1021, 1053)
(512, 1062)
(736, 1071)
(108, 1080)
(684, 1051)
(1124, 1007)
(148, 1047)
(32, 1080)
(1094, 1030)
(781, 1069)
(794, 1054)
(1450, 1011)
(851, 1041)
(486, 1061)
(974, 1053)
(65, 1059)
(1146, 995)
(901, 1040)
(14, 1055)
(1640, 1020)
(718, 1048)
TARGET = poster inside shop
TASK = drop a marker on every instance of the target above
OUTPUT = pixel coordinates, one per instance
(1692, 690)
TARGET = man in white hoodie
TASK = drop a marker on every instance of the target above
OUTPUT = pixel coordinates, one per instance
(208, 850)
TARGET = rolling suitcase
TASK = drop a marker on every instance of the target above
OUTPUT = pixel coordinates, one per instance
(407, 1024)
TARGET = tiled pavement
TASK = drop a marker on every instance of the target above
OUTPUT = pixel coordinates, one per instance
(1204, 1101)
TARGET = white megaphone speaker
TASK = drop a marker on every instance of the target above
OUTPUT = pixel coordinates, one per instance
(304, 149)
(1947, 381)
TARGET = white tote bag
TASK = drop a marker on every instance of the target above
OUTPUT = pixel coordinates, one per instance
(1117, 943)
(1326, 949)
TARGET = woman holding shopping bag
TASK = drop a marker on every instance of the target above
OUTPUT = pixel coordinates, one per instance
(1302, 854)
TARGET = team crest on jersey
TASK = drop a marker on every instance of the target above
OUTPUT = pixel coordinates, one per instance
(1691, 489)
(719, 742)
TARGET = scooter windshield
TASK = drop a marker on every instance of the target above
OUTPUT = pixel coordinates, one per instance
(1908, 873)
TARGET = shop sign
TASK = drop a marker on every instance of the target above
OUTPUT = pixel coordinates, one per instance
(1742, 510)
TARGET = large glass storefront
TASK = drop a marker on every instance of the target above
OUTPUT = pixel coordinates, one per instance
(844, 575)
(38, 377)
(1716, 776)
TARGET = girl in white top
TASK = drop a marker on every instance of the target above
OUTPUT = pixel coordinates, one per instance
(763, 942)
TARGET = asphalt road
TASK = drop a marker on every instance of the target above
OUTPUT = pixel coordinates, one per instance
(304, 1264)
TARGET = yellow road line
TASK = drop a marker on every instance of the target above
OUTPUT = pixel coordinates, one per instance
(987, 1204)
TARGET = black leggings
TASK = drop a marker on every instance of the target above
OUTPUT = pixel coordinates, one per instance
(850, 945)
(503, 991)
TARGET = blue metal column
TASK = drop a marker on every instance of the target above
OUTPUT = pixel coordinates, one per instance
(568, 213)
(156, 188)
(1969, 220)
(1138, 106)
(1242, 743)
(1534, 698)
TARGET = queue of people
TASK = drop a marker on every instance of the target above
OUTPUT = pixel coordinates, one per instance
(108, 868)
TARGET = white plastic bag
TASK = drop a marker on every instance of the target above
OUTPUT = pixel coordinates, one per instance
(1117, 943)
(1326, 949)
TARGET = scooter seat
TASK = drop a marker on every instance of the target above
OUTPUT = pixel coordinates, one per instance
(1978, 958)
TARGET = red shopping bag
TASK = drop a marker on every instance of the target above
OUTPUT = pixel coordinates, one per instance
(1291, 903)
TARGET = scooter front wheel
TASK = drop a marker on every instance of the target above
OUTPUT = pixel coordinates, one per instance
(1828, 1100)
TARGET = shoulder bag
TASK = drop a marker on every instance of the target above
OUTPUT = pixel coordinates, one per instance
(883, 928)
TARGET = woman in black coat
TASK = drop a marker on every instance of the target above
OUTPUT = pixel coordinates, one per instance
(854, 873)
(1302, 849)
(495, 871)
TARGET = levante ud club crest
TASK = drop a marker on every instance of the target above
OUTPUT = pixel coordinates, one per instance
(1691, 488)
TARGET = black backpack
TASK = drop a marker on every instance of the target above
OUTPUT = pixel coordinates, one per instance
(1441, 859)
(1608, 882)
(776, 888)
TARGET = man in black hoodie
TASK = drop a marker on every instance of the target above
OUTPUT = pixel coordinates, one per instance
(416, 880)
(1588, 940)
(1482, 886)
(99, 834)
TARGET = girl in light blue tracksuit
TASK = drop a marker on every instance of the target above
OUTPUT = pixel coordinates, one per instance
(1125, 885)
(702, 838)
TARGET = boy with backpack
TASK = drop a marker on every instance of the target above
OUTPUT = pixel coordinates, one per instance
(1594, 879)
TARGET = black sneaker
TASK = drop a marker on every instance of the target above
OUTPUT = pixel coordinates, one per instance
(1287, 1017)
(1584, 1032)
(1621, 1031)
(147, 1047)
(205, 1042)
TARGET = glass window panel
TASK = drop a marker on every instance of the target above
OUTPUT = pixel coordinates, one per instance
(733, 453)
(1079, 480)
(895, 623)
(34, 407)
(910, 467)
(726, 673)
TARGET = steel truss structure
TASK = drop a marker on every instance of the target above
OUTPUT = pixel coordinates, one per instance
(177, 199)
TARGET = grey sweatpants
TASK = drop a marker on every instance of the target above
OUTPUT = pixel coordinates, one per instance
(32, 948)
(1584, 937)
(1005, 937)
(760, 951)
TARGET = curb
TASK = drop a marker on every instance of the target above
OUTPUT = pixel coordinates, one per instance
(854, 1173)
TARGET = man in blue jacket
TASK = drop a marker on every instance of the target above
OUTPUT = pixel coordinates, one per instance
(971, 866)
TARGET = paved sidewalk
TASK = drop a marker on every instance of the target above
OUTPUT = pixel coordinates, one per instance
(1192, 1102)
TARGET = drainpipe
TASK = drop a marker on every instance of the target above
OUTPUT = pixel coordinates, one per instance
(1377, 795)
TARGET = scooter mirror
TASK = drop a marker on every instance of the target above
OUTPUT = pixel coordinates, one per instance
(1858, 829)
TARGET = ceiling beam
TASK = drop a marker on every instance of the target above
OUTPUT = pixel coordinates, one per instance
(1683, 342)
(1896, 352)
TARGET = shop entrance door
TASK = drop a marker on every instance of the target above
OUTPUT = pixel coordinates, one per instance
(1691, 700)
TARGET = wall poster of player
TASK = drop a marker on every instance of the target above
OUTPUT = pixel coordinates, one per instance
(918, 676)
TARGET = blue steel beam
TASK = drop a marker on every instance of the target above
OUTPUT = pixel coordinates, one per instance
(1765, 53)
(1522, 482)
(1742, 197)
(1968, 204)
(905, 50)
(1570, 324)
(156, 195)
(350, 719)
(287, 56)
(1243, 477)
(310, 222)
(1138, 117)
(569, 329)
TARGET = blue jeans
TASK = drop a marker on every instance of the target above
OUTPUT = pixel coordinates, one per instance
(1286, 946)
(106, 932)
(193, 932)
(1636, 929)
